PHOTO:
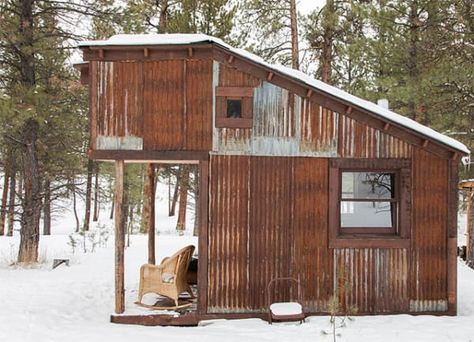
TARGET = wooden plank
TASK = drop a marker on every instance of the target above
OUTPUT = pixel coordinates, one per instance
(119, 237)
(163, 156)
(234, 91)
(203, 242)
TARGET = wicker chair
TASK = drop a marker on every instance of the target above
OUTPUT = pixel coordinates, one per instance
(169, 278)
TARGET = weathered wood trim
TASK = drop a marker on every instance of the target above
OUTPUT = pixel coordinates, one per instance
(333, 103)
(233, 122)
(119, 238)
(137, 53)
(234, 91)
(131, 155)
(203, 175)
(369, 242)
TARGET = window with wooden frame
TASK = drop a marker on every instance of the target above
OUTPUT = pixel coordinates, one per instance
(234, 107)
(369, 202)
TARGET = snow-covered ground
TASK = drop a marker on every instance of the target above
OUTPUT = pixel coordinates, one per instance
(74, 303)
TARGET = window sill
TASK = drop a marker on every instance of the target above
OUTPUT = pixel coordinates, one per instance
(362, 241)
(234, 123)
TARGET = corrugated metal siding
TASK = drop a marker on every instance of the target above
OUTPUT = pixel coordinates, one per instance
(228, 254)
(429, 232)
(156, 105)
(319, 129)
(273, 112)
(198, 105)
(264, 223)
(164, 116)
(358, 140)
(312, 260)
(377, 279)
(117, 102)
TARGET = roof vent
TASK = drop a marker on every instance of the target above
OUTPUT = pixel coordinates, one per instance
(382, 103)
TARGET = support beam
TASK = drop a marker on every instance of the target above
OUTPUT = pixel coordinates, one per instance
(386, 126)
(151, 222)
(269, 76)
(146, 52)
(203, 178)
(119, 237)
(231, 59)
(468, 223)
(190, 52)
(425, 143)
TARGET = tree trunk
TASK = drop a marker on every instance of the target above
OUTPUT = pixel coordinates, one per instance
(163, 16)
(12, 199)
(111, 216)
(148, 198)
(29, 241)
(295, 58)
(174, 200)
(96, 193)
(90, 171)
(74, 207)
(412, 62)
(6, 178)
(328, 41)
(47, 207)
(183, 197)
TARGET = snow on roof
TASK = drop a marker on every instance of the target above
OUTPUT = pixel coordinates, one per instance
(186, 39)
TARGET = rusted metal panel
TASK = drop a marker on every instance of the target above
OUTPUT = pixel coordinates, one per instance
(372, 280)
(312, 260)
(268, 219)
(429, 231)
(270, 235)
(357, 140)
(228, 284)
(319, 129)
(164, 111)
(198, 105)
(116, 100)
(274, 112)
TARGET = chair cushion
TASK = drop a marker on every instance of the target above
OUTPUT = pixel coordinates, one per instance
(167, 277)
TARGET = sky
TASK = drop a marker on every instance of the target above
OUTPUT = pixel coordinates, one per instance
(306, 6)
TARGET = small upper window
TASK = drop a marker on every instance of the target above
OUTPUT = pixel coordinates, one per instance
(234, 108)
(368, 202)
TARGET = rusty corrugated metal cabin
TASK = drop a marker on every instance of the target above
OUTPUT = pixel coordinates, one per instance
(271, 177)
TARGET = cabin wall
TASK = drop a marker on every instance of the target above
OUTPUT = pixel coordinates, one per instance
(269, 218)
(285, 124)
(152, 105)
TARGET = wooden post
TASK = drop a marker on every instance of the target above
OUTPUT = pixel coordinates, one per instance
(151, 222)
(119, 237)
(468, 223)
(203, 178)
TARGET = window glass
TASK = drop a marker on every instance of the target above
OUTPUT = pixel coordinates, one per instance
(368, 185)
(368, 214)
(234, 108)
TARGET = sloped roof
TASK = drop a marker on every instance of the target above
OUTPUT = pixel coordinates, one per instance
(188, 39)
